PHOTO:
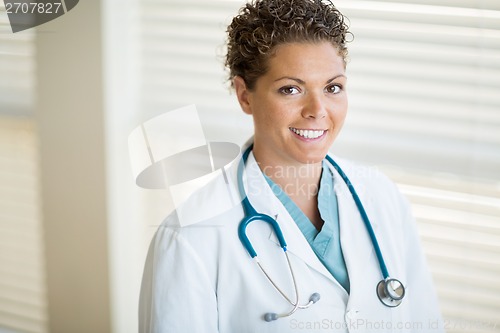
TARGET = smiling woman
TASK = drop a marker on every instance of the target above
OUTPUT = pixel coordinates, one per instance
(343, 230)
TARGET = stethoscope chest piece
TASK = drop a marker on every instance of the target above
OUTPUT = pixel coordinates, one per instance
(390, 292)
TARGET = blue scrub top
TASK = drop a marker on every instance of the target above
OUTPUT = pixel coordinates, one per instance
(326, 242)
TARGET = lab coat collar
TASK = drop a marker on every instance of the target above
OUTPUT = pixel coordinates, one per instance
(357, 247)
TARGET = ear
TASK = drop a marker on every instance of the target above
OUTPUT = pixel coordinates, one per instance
(243, 94)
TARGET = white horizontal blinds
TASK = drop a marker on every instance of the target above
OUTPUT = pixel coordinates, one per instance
(22, 274)
(423, 85)
(182, 63)
(459, 224)
(419, 73)
(16, 68)
(22, 285)
(422, 75)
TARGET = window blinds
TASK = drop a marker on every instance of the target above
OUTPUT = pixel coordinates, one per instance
(424, 78)
(22, 280)
(16, 68)
(23, 304)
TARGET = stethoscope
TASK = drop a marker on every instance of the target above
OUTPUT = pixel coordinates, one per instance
(390, 291)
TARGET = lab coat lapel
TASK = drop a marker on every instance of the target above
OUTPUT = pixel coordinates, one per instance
(356, 244)
(264, 201)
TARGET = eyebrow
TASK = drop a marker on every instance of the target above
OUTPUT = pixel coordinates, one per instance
(299, 81)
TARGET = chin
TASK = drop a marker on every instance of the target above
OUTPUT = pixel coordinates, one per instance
(311, 158)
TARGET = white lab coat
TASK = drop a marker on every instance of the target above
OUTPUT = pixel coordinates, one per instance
(199, 278)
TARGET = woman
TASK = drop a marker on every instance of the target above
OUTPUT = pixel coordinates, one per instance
(287, 61)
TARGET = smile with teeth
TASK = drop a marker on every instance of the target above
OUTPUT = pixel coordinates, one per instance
(308, 134)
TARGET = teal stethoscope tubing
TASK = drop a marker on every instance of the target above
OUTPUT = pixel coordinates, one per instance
(252, 215)
(365, 218)
(390, 291)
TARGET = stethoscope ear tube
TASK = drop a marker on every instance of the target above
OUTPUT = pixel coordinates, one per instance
(272, 316)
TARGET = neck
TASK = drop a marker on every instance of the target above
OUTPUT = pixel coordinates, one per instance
(299, 181)
(295, 178)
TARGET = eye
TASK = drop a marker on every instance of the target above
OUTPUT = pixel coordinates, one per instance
(289, 90)
(334, 88)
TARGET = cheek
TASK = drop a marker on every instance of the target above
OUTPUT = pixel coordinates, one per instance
(339, 115)
(342, 110)
(273, 112)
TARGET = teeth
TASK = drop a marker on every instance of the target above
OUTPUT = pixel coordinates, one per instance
(308, 134)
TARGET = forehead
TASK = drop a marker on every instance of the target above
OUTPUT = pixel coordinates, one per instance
(308, 60)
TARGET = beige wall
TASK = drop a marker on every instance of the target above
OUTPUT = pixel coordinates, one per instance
(70, 119)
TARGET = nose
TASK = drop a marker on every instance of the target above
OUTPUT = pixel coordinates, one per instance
(315, 106)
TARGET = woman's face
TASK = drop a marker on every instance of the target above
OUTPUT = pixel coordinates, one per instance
(299, 105)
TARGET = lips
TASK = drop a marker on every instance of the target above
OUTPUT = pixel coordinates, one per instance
(308, 133)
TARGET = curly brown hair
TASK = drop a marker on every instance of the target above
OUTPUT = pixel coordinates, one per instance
(262, 25)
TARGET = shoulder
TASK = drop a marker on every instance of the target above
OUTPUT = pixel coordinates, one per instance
(204, 217)
(202, 224)
(197, 245)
